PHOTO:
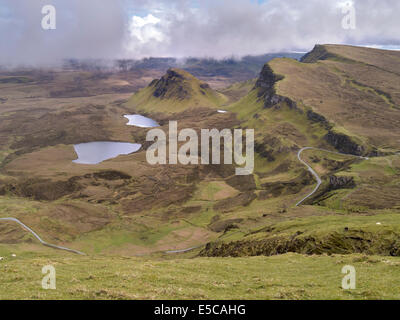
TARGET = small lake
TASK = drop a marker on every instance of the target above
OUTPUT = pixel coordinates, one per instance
(140, 121)
(96, 152)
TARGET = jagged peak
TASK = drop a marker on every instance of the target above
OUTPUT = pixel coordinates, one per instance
(176, 90)
(177, 82)
(267, 78)
(179, 74)
(326, 52)
(319, 52)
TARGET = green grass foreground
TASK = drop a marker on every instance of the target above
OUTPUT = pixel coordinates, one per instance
(289, 276)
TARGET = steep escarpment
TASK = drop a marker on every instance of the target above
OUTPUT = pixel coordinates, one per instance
(344, 143)
(176, 91)
(319, 53)
(267, 92)
(265, 86)
(282, 124)
(354, 89)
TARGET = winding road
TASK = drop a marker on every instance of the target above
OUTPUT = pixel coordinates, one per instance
(40, 239)
(319, 181)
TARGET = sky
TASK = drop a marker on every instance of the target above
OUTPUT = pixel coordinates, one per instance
(111, 29)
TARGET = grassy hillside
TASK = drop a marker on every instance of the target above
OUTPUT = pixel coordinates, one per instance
(284, 277)
(238, 90)
(175, 92)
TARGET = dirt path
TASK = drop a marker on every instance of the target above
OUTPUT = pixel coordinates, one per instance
(319, 181)
(40, 239)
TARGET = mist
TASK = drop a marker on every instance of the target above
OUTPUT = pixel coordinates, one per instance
(85, 29)
(114, 29)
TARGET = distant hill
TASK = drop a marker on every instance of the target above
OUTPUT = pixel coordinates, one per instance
(241, 69)
(176, 91)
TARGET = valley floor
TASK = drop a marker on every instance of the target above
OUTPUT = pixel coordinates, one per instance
(289, 276)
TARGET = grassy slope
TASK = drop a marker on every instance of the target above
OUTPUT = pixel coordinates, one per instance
(99, 277)
(238, 90)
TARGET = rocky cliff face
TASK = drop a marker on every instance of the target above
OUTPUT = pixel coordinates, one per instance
(266, 92)
(266, 81)
(318, 53)
(321, 53)
(344, 143)
(317, 118)
(343, 182)
(266, 89)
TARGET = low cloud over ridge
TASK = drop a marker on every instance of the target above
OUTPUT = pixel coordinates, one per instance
(213, 28)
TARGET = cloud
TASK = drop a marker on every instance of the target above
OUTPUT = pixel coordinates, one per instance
(221, 28)
(217, 28)
(145, 29)
(85, 29)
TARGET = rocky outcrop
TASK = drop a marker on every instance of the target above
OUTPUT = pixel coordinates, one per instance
(340, 242)
(266, 89)
(41, 189)
(321, 52)
(205, 86)
(111, 175)
(172, 81)
(265, 152)
(343, 182)
(318, 53)
(277, 99)
(335, 183)
(224, 225)
(266, 81)
(344, 143)
(318, 118)
(280, 188)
